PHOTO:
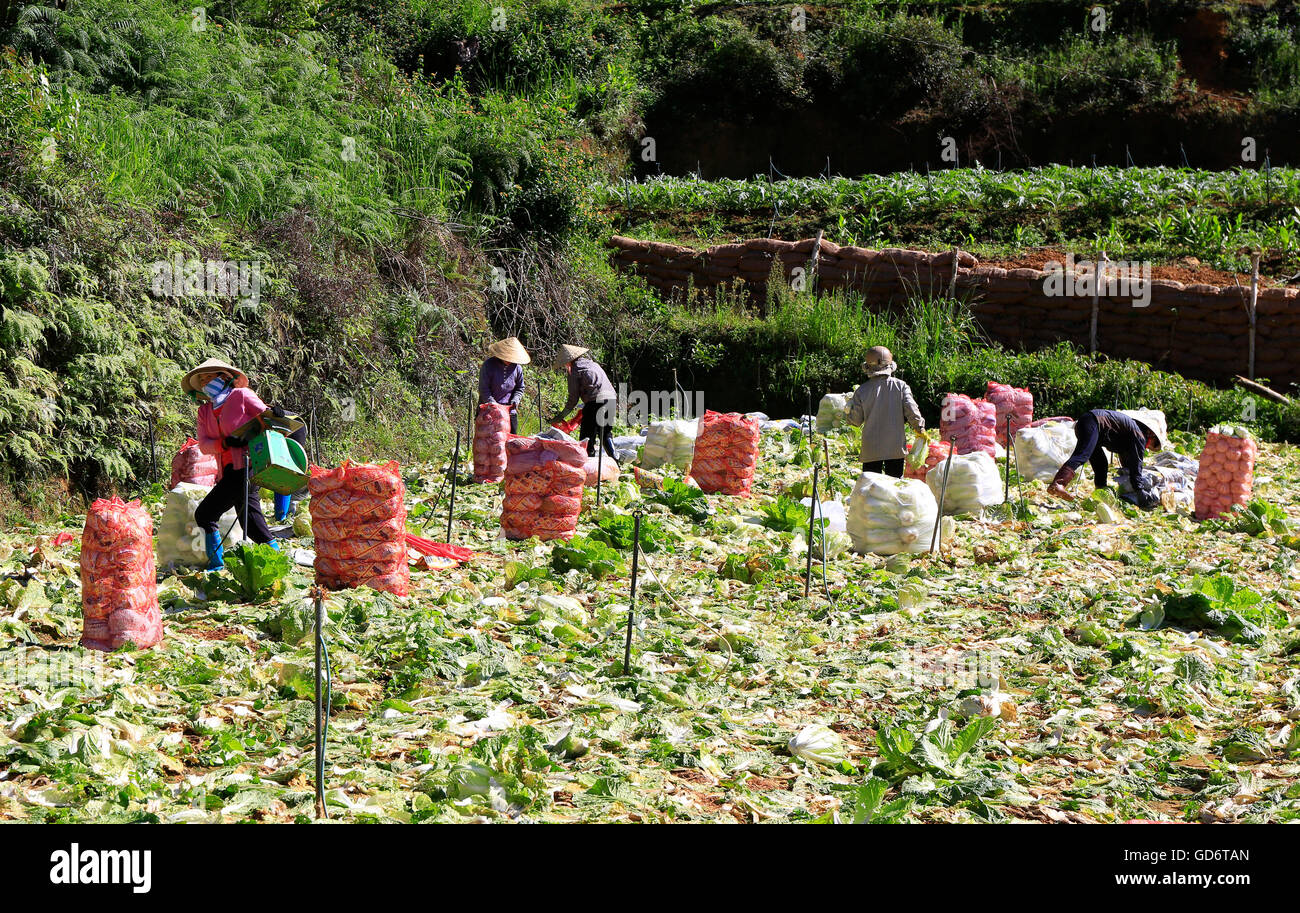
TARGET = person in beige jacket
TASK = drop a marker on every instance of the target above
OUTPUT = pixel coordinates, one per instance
(881, 406)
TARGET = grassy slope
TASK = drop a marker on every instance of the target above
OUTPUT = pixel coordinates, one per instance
(1098, 719)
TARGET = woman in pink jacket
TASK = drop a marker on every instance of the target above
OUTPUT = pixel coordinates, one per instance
(226, 406)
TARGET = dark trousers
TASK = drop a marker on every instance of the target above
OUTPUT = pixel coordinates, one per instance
(888, 467)
(1128, 447)
(228, 493)
(592, 425)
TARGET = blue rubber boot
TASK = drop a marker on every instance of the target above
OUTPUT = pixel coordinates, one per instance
(283, 504)
(275, 545)
(216, 554)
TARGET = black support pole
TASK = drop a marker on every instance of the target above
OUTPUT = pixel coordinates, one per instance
(812, 518)
(455, 471)
(631, 609)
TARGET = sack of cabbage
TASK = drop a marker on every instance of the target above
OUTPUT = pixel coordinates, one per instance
(832, 411)
(669, 443)
(889, 515)
(973, 483)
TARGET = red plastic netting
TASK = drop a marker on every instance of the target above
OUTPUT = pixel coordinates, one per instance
(119, 585)
(543, 488)
(936, 453)
(193, 465)
(1226, 476)
(359, 520)
(969, 424)
(726, 452)
(1015, 403)
(491, 430)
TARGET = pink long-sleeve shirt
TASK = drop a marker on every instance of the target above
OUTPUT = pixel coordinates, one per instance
(215, 425)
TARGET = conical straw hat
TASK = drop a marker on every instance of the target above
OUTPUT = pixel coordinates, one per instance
(510, 350)
(568, 354)
(213, 365)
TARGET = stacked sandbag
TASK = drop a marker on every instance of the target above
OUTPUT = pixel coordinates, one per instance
(119, 586)
(1043, 447)
(888, 515)
(606, 468)
(924, 456)
(1014, 403)
(1226, 476)
(194, 466)
(358, 518)
(833, 411)
(491, 430)
(969, 424)
(973, 483)
(180, 540)
(543, 488)
(669, 443)
(726, 452)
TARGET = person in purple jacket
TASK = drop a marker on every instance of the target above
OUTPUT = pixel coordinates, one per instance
(501, 379)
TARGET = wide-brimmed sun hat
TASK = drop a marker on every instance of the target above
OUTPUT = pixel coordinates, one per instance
(568, 354)
(212, 366)
(510, 350)
(879, 361)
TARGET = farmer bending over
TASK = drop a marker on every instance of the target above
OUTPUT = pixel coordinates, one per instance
(880, 406)
(1116, 432)
(501, 379)
(588, 382)
(226, 406)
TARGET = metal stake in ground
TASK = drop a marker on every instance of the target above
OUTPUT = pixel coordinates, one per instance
(631, 609)
(600, 461)
(319, 598)
(812, 514)
(943, 490)
(809, 416)
(455, 470)
(1006, 484)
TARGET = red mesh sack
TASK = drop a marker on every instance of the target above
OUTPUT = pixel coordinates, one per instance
(358, 518)
(1015, 403)
(726, 452)
(543, 488)
(119, 584)
(491, 430)
(193, 465)
(1227, 474)
(969, 424)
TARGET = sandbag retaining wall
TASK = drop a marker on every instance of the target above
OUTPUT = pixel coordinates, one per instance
(1200, 331)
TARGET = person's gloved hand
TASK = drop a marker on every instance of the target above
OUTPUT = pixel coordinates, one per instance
(235, 443)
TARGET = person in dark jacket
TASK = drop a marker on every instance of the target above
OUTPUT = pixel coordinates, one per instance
(589, 383)
(1119, 433)
(501, 379)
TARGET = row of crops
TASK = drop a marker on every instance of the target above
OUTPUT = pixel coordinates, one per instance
(1056, 187)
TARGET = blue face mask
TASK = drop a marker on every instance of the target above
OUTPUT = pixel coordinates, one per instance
(217, 390)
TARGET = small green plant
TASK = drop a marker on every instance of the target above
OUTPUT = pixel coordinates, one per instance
(682, 499)
(259, 571)
(584, 554)
(784, 515)
(618, 530)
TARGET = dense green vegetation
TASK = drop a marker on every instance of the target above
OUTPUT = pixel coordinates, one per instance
(1137, 213)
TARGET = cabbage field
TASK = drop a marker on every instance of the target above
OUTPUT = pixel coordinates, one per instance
(1056, 662)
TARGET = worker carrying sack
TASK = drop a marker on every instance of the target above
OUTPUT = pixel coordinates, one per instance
(119, 585)
(491, 430)
(543, 488)
(889, 515)
(669, 443)
(726, 452)
(968, 424)
(1043, 447)
(1014, 403)
(973, 483)
(358, 518)
(194, 466)
(1226, 474)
